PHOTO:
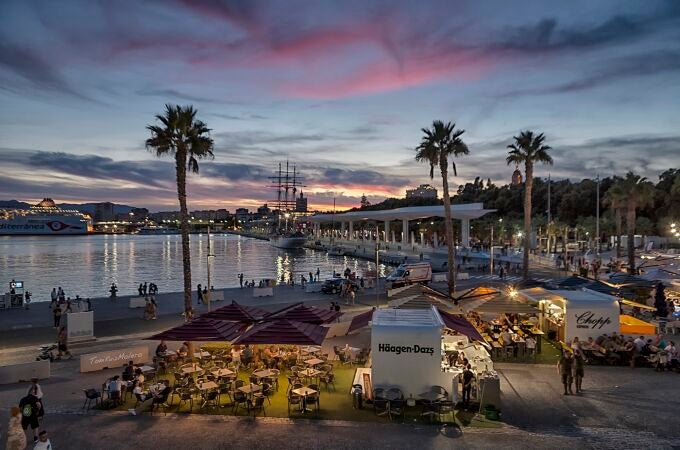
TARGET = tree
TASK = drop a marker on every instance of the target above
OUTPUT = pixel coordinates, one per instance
(660, 300)
(438, 144)
(616, 199)
(528, 149)
(364, 201)
(187, 139)
(639, 193)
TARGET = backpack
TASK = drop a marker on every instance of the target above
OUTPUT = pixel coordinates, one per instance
(27, 410)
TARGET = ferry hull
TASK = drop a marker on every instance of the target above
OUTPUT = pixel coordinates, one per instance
(55, 226)
(287, 242)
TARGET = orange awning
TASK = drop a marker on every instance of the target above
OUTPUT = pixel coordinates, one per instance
(631, 325)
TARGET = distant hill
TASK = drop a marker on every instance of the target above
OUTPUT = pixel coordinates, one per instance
(82, 207)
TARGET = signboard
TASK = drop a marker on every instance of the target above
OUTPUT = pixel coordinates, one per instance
(114, 358)
(590, 320)
(80, 326)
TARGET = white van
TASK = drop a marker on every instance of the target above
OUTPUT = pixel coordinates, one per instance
(409, 274)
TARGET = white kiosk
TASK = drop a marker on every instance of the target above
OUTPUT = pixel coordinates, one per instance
(406, 352)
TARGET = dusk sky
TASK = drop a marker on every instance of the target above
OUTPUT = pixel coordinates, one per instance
(339, 88)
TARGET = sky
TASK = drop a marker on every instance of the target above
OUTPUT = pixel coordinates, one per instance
(340, 88)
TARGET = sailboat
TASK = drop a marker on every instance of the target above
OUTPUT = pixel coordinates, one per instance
(286, 185)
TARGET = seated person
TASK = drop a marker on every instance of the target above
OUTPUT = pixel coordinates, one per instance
(129, 372)
(530, 342)
(247, 355)
(161, 349)
(183, 350)
(139, 378)
(114, 388)
(505, 336)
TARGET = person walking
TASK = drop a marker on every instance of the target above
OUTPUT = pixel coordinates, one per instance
(53, 298)
(56, 315)
(564, 368)
(577, 369)
(199, 292)
(140, 290)
(16, 438)
(468, 377)
(30, 406)
(36, 389)
(62, 342)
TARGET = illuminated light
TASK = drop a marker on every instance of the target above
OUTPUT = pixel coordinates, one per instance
(512, 293)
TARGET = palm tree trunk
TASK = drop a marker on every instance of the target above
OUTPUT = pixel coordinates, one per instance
(451, 248)
(181, 168)
(528, 187)
(618, 218)
(630, 238)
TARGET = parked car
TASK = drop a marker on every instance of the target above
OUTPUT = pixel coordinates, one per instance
(335, 285)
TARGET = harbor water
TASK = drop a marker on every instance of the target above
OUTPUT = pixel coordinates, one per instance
(87, 265)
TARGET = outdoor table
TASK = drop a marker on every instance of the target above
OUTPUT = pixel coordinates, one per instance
(310, 349)
(264, 373)
(310, 373)
(208, 385)
(304, 392)
(146, 369)
(250, 388)
(314, 361)
(192, 369)
(200, 355)
(222, 372)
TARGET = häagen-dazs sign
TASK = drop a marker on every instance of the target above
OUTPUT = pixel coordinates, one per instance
(115, 358)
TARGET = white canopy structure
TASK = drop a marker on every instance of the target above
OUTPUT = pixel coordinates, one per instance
(462, 212)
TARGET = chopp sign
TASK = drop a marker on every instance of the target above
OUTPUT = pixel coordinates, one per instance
(399, 349)
(587, 319)
(115, 358)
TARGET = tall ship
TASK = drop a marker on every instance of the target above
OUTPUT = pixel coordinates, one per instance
(45, 218)
(286, 235)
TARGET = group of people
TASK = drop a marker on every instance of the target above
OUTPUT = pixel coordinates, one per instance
(659, 352)
(571, 368)
(61, 304)
(28, 414)
(145, 289)
(202, 293)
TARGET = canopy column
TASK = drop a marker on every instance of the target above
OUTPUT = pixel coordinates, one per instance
(404, 231)
(351, 230)
(387, 231)
(465, 232)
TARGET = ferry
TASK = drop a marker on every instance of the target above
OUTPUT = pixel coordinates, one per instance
(45, 218)
(287, 240)
(158, 230)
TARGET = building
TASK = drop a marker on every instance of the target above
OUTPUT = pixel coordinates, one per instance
(422, 191)
(103, 212)
(242, 214)
(301, 203)
(516, 176)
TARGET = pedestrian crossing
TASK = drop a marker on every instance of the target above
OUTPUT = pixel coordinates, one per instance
(507, 278)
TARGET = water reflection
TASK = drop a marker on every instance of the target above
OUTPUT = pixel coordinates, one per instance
(87, 265)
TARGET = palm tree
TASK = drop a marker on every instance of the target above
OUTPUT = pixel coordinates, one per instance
(638, 193)
(616, 199)
(528, 149)
(437, 144)
(187, 140)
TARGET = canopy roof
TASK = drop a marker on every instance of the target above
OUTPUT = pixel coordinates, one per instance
(461, 325)
(502, 304)
(283, 332)
(360, 320)
(572, 281)
(461, 211)
(202, 329)
(631, 325)
(417, 296)
(637, 305)
(302, 313)
(237, 313)
(624, 279)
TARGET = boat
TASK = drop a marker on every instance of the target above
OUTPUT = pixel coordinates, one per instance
(287, 240)
(286, 183)
(152, 230)
(337, 251)
(45, 218)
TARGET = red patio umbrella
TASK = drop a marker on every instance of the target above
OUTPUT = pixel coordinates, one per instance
(302, 313)
(283, 331)
(360, 320)
(461, 325)
(202, 329)
(236, 312)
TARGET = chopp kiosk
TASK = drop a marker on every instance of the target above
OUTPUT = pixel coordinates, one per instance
(406, 352)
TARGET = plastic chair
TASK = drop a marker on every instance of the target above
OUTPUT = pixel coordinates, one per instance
(90, 395)
(256, 404)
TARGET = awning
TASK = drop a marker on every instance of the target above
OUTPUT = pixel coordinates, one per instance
(283, 332)
(202, 329)
(360, 321)
(572, 282)
(461, 325)
(299, 312)
(237, 313)
(637, 305)
(631, 325)
(500, 305)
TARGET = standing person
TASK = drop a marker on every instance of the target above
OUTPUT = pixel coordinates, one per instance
(240, 279)
(16, 438)
(53, 298)
(144, 288)
(30, 406)
(564, 369)
(311, 277)
(318, 272)
(36, 389)
(140, 289)
(56, 315)
(577, 369)
(199, 292)
(43, 442)
(352, 294)
(60, 294)
(500, 272)
(468, 377)
(62, 342)
(114, 291)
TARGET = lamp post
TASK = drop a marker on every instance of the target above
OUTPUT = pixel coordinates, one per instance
(210, 255)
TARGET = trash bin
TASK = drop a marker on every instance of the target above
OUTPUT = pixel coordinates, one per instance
(357, 396)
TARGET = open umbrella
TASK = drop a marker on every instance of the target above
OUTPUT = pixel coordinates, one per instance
(461, 325)
(236, 312)
(283, 331)
(300, 312)
(202, 329)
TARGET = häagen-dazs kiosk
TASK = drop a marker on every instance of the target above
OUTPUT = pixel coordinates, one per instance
(408, 352)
